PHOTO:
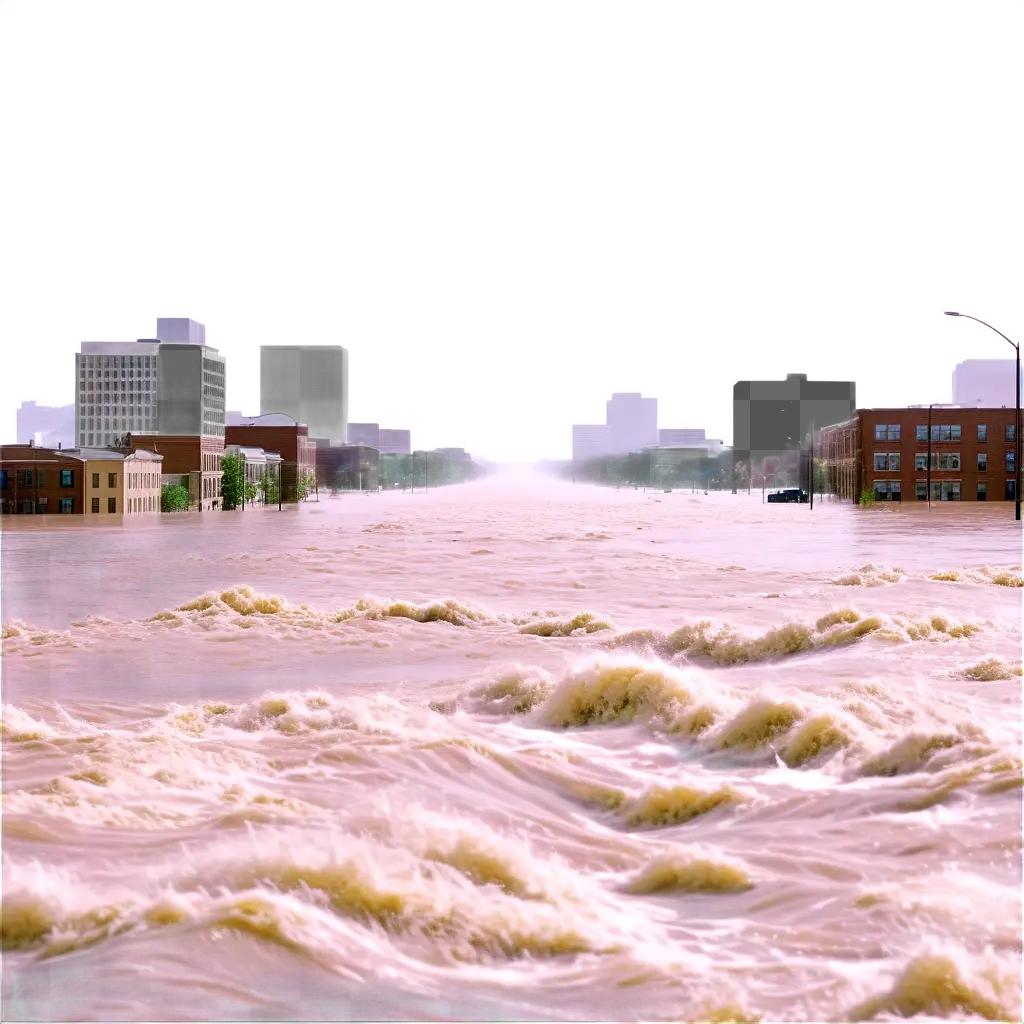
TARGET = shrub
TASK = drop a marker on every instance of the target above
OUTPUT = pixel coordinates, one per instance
(867, 499)
(174, 498)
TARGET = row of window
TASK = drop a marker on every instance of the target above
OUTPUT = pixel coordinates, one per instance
(34, 478)
(117, 361)
(28, 506)
(939, 432)
(889, 462)
(942, 490)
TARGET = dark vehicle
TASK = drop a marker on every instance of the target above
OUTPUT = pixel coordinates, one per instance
(789, 494)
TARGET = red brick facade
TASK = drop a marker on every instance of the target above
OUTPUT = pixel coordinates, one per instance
(293, 443)
(40, 481)
(885, 452)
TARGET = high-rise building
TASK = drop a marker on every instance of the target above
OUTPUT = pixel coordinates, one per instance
(589, 441)
(688, 437)
(985, 383)
(367, 434)
(308, 383)
(47, 426)
(632, 422)
(385, 440)
(774, 417)
(170, 384)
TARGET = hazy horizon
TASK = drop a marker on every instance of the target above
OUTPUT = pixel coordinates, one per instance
(506, 212)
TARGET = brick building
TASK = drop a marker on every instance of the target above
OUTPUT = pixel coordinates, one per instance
(192, 460)
(78, 481)
(885, 452)
(292, 442)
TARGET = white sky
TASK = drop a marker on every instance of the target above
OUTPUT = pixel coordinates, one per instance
(506, 211)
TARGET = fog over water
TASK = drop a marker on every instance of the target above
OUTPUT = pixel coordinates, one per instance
(515, 749)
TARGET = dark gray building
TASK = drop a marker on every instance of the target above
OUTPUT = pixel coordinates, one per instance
(170, 384)
(308, 383)
(775, 419)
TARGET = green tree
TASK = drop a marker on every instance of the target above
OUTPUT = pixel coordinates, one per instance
(304, 485)
(232, 480)
(867, 499)
(268, 487)
(174, 498)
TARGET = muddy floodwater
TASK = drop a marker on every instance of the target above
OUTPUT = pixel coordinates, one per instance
(514, 750)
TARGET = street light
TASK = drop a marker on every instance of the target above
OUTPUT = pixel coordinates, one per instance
(1016, 421)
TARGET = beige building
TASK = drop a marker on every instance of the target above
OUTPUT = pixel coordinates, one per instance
(120, 483)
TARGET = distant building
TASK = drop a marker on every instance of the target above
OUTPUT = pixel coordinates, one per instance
(885, 452)
(986, 383)
(589, 441)
(83, 481)
(47, 426)
(291, 441)
(773, 417)
(191, 460)
(348, 467)
(688, 437)
(386, 441)
(632, 422)
(395, 442)
(171, 384)
(308, 383)
(364, 434)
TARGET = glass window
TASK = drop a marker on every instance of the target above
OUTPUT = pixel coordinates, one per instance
(887, 490)
(41, 505)
(96, 481)
(1010, 462)
(112, 505)
(949, 460)
(982, 432)
(67, 504)
(894, 462)
(981, 495)
(982, 462)
(111, 479)
(922, 432)
(921, 490)
(3, 479)
(881, 460)
(26, 478)
(1011, 490)
(893, 433)
(1011, 432)
(67, 479)
(880, 430)
(95, 504)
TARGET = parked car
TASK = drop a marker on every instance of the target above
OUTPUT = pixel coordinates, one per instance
(789, 494)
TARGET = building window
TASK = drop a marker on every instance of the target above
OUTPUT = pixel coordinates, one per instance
(67, 505)
(3, 479)
(1011, 462)
(112, 505)
(881, 460)
(1011, 432)
(41, 505)
(949, 460)
(981, 495)
(95, 505)
(96, 480)
(67, 479)
(111, 479)
(887, 431)
(982, 462)
(26, 477)
(982, 432)
(887, 490)
(945, 432)
(1011, 490)
(922, 432)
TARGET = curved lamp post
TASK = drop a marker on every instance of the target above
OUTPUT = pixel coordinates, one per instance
(1016, 421)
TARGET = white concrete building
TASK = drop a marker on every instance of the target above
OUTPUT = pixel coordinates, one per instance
(171, 384)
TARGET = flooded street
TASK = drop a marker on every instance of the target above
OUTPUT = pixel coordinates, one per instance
(514, 750)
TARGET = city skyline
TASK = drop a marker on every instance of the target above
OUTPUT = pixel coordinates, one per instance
(478, 238)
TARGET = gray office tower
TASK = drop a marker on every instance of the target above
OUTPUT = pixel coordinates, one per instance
(775, 419)
(170, 384)
(308, 383)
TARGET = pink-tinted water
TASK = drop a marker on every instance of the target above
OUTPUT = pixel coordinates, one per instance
(514, 750)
